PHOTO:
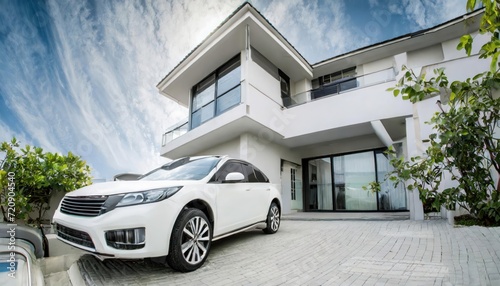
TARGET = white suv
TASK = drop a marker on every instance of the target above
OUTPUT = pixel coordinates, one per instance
(175, 211)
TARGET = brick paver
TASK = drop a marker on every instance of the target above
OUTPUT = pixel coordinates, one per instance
(329, 253)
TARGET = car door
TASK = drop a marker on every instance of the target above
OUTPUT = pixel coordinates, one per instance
(234, 201)
(258, 189)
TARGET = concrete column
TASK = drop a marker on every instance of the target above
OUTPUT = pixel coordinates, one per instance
(414, 203)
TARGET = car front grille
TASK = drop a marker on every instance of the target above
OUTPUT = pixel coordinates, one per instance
(83, 206)
(76, 236)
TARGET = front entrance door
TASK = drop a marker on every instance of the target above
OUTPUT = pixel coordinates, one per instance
(291, 184)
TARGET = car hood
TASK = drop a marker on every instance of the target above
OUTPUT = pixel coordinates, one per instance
(120, 187)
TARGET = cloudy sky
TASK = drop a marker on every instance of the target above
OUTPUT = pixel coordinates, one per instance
(81, 76)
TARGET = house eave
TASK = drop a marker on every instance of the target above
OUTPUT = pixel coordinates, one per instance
(224, 43)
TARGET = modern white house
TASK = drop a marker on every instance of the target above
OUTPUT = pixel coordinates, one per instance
(317, 130)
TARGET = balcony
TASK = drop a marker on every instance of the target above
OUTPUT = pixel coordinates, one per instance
(344, 85)
(346, 112)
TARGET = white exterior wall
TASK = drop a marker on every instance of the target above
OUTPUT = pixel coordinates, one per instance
(377, 65)
(345, 109)
(367, 73)
(425, 56)
(261, 80)
(399, 61)
(230, 148)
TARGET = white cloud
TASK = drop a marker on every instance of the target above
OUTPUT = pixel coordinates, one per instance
(395, 8)
(92, 88)
(426, 14)
(318, 29)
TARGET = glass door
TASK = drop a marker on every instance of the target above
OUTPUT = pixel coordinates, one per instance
(390, 197)
(320, 184)
(352, 172)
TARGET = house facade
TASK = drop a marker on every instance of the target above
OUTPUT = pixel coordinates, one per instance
(317, 130)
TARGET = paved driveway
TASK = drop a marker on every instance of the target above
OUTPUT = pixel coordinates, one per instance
(329, 253)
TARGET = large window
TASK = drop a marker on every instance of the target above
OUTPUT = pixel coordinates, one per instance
(217, 93)
(336, 183)
(351, 173)
(334, 83)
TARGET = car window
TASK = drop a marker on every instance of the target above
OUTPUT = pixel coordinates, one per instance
(189, 168)
(260, 176)
(229, 167)
(249, 173)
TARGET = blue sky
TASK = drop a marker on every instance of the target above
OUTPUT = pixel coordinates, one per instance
(81, 76)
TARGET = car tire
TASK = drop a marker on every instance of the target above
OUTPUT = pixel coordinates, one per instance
(273, 219)
(190, 241)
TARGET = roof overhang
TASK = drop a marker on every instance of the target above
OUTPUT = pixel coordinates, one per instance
(225, 42)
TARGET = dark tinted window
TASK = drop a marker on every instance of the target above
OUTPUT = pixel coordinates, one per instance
(249, 174)
(260, 176)
(228, 167)
(216, 93)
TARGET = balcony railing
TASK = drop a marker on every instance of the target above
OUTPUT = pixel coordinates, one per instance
(175, 131)
(343, 85)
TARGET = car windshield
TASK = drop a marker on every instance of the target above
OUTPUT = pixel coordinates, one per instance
(189, 168)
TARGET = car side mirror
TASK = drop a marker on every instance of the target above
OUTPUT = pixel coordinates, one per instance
(234, 177)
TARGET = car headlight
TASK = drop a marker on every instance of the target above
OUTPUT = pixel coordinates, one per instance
(146, 197)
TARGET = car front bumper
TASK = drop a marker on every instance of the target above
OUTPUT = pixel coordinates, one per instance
(89, 233)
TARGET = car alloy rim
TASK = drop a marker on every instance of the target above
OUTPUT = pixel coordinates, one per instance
(275, 218)
(195, 240)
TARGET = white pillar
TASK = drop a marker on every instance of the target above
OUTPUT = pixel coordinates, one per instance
(414, 203)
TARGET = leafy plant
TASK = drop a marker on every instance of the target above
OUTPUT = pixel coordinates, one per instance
(29, 177)
(464, 144)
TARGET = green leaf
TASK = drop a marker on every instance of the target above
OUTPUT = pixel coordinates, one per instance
(465, 43)
(471, 4)
(494, 62)
(452, 96)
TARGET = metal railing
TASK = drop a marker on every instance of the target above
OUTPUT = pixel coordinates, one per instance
(175, 131)
(344, 85)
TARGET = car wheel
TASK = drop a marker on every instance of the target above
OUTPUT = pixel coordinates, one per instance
(190, 241)
(273, 219)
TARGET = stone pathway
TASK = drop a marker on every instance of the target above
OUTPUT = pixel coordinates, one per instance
(322, 252)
